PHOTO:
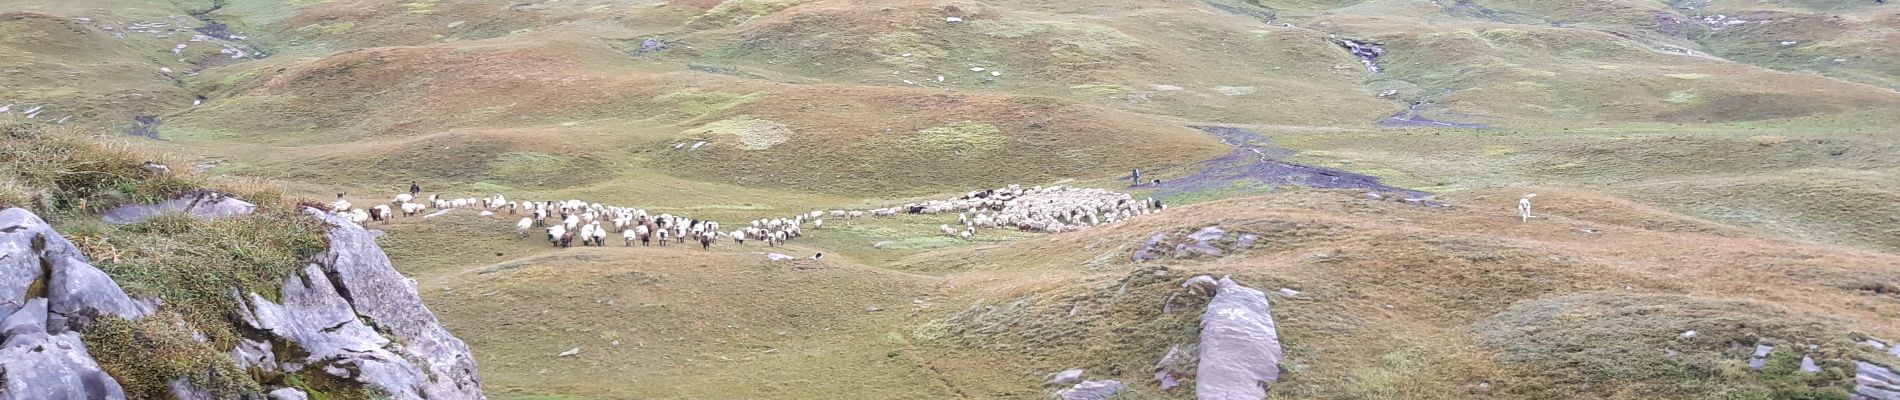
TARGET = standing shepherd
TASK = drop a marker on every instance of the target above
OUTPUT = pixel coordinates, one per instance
(1524, 207)
(1135, 176)
(414, 190)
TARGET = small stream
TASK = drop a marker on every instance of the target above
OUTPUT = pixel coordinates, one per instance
(1253, 162)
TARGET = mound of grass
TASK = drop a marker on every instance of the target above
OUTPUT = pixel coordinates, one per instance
(192, 264)
(697, 103)
(966, 136)
(1100, 89)
(58, 169)
(1634, 341)
(739, 12)
(1113, 325)
(1069, 42)
(146, 355)
(755, 134)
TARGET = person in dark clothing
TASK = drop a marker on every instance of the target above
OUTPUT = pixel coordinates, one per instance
(1135, 176)
(414, 189)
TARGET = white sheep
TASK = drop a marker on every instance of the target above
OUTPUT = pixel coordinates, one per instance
(380, 213)
(1524, 206)
(522, 227)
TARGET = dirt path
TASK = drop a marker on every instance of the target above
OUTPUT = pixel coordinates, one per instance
(1252, 161)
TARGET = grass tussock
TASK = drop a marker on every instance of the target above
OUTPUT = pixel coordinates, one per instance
(146, 355)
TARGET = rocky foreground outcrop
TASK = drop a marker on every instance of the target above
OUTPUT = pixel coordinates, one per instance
(1240, 345)
(348, 314)
(47, 294)
(324, 310)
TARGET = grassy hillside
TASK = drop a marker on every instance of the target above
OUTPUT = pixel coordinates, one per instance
(1728, 167)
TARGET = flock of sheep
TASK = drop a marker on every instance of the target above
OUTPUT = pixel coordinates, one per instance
(1053, 209)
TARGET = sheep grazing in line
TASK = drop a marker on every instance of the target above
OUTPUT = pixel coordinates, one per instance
(587, 235)
(340, 205)
(380, 213)
(411, 209)
(1052, 209)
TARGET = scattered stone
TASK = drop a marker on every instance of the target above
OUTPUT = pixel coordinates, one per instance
(486, 213)
(650, 45)
(145, 126)
(1760, 358)
(1389, 93)
(155, 168)
(977, 69)
(1246, 240)
(1165, 370)
(1091, 390)
(882, 244)
(873, 309)
(996, 73)
(570, 352)
(1065, 377)
(1808, 366)
(1150, 249)
(1687, 335)
(456, 24)
(438, 213)
(778, 257)
(288, 394)
(616, 343)
(952, 19)
(1876, 382)
(1289, 293)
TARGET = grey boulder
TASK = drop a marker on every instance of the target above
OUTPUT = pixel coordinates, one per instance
(338, 310)
(1240, 346)
(38, 366)
(80, 292)
(1875, 381)
(203, 205)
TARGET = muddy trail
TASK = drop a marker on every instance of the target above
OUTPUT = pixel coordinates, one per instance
(1253, 162)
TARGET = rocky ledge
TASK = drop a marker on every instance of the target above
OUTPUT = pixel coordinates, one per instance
(349, 314)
